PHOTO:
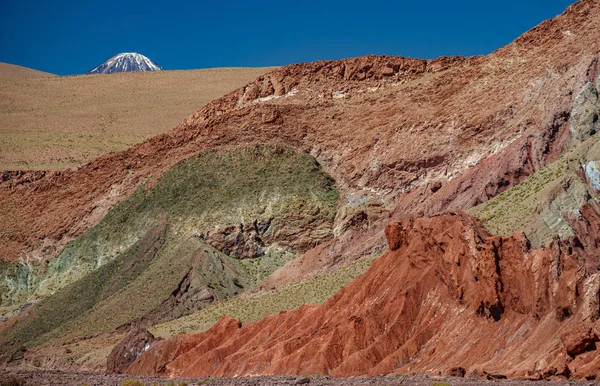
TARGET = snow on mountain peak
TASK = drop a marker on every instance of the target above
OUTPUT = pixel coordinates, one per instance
(126, 62)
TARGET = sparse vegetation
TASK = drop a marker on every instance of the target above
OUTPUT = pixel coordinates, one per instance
(13, 381)
(522, 207)
(252, 307)
(132, 382)
(143, 248)
(212, 188)
(509, 211)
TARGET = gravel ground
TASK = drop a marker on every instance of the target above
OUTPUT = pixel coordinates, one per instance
(42, 378)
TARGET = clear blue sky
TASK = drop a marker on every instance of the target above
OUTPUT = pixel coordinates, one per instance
(70, 37)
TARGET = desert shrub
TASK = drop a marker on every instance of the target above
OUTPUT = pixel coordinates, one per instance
(13, 381)
(172, 383)
(132, 382)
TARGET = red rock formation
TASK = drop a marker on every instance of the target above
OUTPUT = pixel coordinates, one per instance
(586, 225)
(446, 295)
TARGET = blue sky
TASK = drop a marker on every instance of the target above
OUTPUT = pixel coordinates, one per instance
(70, 37)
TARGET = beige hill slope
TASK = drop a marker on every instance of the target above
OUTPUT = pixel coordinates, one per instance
(50, 122)
(12, 71)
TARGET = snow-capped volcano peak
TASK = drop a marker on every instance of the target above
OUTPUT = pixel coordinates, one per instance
(126, 62)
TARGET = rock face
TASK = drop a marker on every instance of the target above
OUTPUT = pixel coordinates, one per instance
(126, 62)
(446, 296)
(586, 111)
(135, 344)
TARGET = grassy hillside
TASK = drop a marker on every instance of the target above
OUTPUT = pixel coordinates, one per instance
(150, 257)
(78, 298)
(50, 122)
(253, 307)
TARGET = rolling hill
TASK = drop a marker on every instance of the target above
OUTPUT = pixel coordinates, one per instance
(52, 123)
(12, 71)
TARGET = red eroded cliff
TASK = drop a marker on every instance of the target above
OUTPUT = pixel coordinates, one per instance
(446, 295)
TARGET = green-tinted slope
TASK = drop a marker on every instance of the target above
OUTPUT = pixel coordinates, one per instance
(537, 205)
(76, 299)
(285, 193)
(252, 307)
(149, 259)
(152, 288)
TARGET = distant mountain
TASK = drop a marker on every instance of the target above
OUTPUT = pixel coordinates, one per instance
(126, 62)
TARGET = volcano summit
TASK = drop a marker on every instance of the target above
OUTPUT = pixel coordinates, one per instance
(126, 62)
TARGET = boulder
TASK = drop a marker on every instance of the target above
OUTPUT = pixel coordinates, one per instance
(137, 342)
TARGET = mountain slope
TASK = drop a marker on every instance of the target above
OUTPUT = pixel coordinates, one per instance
(213, 226)
(38, 131)
(240, 202)
(454, 113)
(12, 71)
(126, 62)
(544, 204)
